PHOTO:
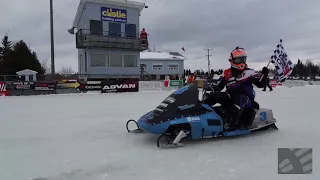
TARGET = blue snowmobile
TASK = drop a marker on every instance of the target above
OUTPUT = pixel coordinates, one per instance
(183, 115)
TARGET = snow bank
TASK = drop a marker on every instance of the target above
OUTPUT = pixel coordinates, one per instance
(295, 83)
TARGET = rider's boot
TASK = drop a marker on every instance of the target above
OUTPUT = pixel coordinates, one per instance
(234, 113)
(250, 118)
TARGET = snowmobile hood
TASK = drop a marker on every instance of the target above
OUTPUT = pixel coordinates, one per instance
(183, 102)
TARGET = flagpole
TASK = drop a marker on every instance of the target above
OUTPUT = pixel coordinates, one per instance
(270, 59)
(268, 65)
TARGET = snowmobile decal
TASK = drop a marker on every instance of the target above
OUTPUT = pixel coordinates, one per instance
(186, 107)
(263, 116)
(189, 119)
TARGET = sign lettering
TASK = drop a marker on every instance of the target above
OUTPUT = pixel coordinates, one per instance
(111, 86)
(170, 100)
(164, 105)
(113, 14)
(45, 86)
(3, 87)
(94, 82)
(93, 87)
(193, 118)
(119, 86)
(150, 85)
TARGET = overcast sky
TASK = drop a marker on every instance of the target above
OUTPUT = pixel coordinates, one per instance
(256, 25)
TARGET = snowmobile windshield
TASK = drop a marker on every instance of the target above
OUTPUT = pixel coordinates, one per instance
(183, 102)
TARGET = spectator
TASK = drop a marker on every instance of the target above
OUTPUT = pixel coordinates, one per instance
(144, 36)
(267, 81)
(191, 78)
(267, 84)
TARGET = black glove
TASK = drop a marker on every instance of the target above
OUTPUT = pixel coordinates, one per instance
(265, 71)
(214, 87)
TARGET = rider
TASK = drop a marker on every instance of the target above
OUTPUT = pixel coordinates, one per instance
(238, 80)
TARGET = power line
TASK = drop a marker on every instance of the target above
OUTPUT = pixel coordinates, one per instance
(59, 15)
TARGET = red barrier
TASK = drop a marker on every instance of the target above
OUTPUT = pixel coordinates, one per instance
(3, 89)
(274, 83)
(166, 83)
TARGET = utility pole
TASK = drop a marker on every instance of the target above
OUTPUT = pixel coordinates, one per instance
(208, 55)
(52, 41)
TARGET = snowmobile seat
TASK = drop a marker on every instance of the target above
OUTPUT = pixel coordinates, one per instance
(255, 105)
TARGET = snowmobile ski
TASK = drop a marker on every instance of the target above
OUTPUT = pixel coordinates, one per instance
(138, 130)
(265, 126)
(172, 143)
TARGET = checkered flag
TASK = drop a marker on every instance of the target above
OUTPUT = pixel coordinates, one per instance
(282, 63)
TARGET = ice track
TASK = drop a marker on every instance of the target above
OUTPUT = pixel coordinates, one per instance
(83, 137)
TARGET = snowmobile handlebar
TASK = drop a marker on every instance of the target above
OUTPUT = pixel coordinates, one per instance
(211, 87)
(207, 90)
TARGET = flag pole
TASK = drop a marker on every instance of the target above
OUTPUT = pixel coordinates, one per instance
(268, 65)
(270, 59)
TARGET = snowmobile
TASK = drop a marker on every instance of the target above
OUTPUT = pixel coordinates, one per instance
(183, 115)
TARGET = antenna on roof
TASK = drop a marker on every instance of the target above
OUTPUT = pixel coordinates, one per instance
(208, 55)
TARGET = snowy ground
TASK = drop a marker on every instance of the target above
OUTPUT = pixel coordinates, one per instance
(83, 137)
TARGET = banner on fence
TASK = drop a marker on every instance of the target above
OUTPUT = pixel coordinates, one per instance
(274, 83)
(93, 82)
(45, 86)
(90, 87)
(113, 86)
(68, 84)
(22, 85)
(3, 89)
(151, 85)
(176, 83)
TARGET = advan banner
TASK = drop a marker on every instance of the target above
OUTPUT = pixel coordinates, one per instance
(115, 86)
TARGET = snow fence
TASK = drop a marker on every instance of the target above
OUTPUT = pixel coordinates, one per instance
(112, 86)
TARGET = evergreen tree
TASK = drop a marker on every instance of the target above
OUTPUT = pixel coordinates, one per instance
(5, 55)
(6, 48)
(16, 57)
(24, 58)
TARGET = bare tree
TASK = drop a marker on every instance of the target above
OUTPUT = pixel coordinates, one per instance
(66, 70)
(46, 66)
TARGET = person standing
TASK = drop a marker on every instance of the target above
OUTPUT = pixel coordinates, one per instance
(144, 36)
(267, 83)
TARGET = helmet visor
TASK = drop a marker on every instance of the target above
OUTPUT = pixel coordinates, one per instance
(239, 60)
